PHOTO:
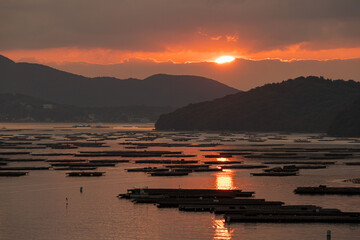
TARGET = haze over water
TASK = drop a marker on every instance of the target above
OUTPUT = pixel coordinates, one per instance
(34, 206)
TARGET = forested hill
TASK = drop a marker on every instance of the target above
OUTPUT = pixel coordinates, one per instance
(304, 104)
(347, 122)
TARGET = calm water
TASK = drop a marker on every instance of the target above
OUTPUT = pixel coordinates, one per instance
(34, 207)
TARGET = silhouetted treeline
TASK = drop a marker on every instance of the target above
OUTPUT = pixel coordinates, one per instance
(21, 108)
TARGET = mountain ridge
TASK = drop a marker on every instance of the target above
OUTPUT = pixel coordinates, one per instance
(62, 87)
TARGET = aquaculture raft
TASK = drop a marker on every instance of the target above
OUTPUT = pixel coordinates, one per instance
(322, 189)
(85, 174)
(245, 209)
(12, 174)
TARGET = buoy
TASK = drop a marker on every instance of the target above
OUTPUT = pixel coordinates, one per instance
(328, 235)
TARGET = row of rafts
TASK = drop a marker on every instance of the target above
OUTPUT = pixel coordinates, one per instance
(237, 206)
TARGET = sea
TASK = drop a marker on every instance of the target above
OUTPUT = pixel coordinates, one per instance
(48, 205)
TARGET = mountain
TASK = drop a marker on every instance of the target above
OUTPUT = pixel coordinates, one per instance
(21, 108)
(62, 87)
(347, 122)
(304, 104)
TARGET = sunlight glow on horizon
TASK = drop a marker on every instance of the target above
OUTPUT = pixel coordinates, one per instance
(68, 55)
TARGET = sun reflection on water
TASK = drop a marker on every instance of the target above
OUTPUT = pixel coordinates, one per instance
(222, 159)
(220, 231)
(225, 179)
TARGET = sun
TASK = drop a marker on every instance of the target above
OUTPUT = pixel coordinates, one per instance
(224, 59)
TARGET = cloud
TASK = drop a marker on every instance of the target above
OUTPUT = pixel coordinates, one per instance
(162, 25)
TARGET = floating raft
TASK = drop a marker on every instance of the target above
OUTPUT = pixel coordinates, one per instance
(275, 156)
(219, 156)
(85, 174)
(12, 174)
(322, 189)
(22, 168)
(289, 168)
(180, 192)
(14, 153)
(66, 160)
(275, 174)
(147, 169)
(279, 209)
(83, 164)
(125, 153)
(310, 166)
(176, 202)
(109, 161)
(179, 155)
(353, 180)
(169, 173)
(166, 161)
(301, 162)
(51, 154)
(351, 218)
(243, 166)
(74, 168)
(352, 163)
(191, 166)
(207, 169)
(223, 162)
(25, 160)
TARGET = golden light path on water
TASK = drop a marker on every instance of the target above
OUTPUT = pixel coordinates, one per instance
(223, 180)
(221, 231)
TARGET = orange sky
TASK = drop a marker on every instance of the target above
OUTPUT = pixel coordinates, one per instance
(139, 38)
(111, 32)
(113, 56)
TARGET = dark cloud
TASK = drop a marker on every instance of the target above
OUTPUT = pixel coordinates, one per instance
(145, 25)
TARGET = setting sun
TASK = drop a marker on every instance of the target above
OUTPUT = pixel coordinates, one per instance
(224, 59)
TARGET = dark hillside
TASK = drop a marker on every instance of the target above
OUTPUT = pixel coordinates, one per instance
(298, 105)
(158, 90)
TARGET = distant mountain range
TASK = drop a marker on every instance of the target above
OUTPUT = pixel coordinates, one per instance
(304, 104)
(50, 84)
(33, 92)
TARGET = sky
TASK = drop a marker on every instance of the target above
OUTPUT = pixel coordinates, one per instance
(183, 34)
